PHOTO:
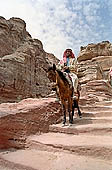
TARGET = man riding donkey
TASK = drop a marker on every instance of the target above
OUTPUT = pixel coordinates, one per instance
(69, 67)
(61, 75)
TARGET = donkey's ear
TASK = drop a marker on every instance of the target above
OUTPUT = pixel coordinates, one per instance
(54, 67)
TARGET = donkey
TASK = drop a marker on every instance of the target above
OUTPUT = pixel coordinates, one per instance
(65, 92)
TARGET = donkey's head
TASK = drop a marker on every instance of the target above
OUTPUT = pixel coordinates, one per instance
(52, 73)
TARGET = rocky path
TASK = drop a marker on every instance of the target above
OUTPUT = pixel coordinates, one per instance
(86, 145)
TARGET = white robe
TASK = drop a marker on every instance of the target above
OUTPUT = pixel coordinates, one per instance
(74, 81)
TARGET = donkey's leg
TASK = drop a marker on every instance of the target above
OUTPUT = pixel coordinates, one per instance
(70, 103)
(79, 112)
(64, 111)
(77, 106)
(73, 109)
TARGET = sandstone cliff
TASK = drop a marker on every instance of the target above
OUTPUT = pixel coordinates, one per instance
(23, 63)
(94, 62)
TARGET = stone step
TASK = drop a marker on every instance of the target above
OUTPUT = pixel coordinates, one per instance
(8, 164)
(91, 120)
(77, 129)
(96, 108)
(88, 120)
(94, 146)
(36, 159)
(96, 113)
(104, 103)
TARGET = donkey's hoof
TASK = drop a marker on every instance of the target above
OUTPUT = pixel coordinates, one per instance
(70, 124)
(64, 124)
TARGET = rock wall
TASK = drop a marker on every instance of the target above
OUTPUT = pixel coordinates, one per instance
(30, 116)
(94, 62)
(23, 63)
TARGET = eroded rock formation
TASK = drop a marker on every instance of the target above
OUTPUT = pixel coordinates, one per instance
(95, 61)
(23, 63)
(94, 50)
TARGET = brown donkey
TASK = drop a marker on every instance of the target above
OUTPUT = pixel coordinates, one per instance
(65, 91)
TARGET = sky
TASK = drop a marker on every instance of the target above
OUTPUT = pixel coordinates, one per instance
(61, 24)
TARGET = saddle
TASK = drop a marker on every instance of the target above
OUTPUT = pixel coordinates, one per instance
(69, 78)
